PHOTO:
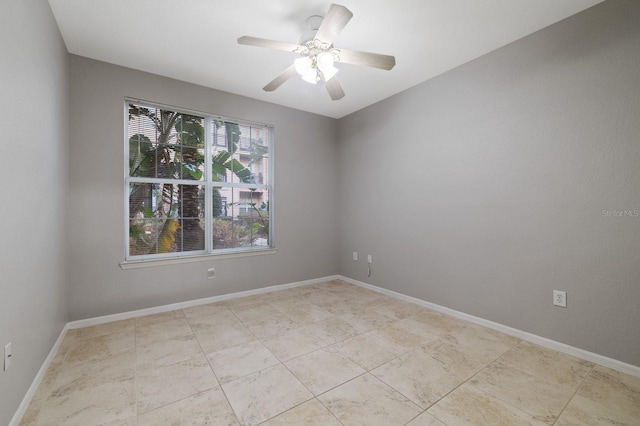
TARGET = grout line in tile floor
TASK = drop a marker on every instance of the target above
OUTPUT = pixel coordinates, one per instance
(574, 394)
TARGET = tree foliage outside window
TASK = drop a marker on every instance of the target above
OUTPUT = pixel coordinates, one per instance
(195, 184)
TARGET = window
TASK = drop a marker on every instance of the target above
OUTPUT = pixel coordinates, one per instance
(195, 184)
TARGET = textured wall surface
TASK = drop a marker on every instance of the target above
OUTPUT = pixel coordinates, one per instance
(484, 189)
(33, 172)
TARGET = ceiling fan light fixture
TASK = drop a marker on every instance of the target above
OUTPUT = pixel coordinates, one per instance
(325, 61)
(303, 65)
(317, 54)
(311, 76)
(305, 68)
(328, 73)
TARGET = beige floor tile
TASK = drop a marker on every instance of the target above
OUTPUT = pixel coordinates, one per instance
(43, 391)
(322, 299)
(309, 413)
(332, 285)
(470, 406)
(103, 329)
(108, 402)
(203, 324)
(297, 292)
(323, 369)
(273, 327)
(467, 362)
(398, 309)
(369, 350)
(367, 401)
(239, 361)
(543, 400)
(101, 347)
(307, 313)
(30, 416)
(366, 299)
(256, 299)
(158, 318)
(265, 394)
(483, 342)
(210, 314)
(366, 320)
(293, 343)
(332, 330)
(167, 352)
(215, 338)
(425, 419)
(585, 412)
(613, 389)
(81, 375)
(287, 302)
(422, 377)
(256, 313)
(428, 334)
(133, 421)
(551, 366)
(340, 306)
(164, 330)
(439, 323)
(206, 408)
(401, 335)
(164, 385)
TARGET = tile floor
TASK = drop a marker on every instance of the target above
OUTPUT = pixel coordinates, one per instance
(326, 354)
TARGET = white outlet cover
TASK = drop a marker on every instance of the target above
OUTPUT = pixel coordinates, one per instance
(7, 356)
(560, 298)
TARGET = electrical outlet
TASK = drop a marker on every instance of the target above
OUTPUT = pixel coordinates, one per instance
(560, 298)
(369, 259)
(355, 255)
(7, 356)
(211, 273)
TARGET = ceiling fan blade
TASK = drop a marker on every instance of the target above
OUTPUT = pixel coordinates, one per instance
(334, 88)
(280, 79)
(271, 44)
(366, 59)
(336, 19)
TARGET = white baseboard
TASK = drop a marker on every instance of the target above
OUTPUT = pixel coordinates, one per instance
(22, 409)
(188, 304)
(529, 337)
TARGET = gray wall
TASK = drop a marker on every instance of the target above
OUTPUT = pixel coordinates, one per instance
(305, 183)
(483, 189)
(33, 172)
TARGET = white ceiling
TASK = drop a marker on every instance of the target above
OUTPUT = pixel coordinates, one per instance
(195, 40)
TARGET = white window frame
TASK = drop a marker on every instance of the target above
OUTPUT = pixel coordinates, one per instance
(208, 253)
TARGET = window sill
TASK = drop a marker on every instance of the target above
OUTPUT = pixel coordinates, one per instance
(133, 264)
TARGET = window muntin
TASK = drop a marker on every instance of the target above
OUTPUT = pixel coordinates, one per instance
(195, 184)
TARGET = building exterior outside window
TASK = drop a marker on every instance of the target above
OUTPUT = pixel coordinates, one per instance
(196, 184)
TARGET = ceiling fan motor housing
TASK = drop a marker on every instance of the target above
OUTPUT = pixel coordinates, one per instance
(313, 24)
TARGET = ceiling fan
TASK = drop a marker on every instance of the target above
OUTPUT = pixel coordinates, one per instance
(317, 54)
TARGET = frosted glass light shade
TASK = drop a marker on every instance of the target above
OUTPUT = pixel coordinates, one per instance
(325, 62)
(303, 65)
